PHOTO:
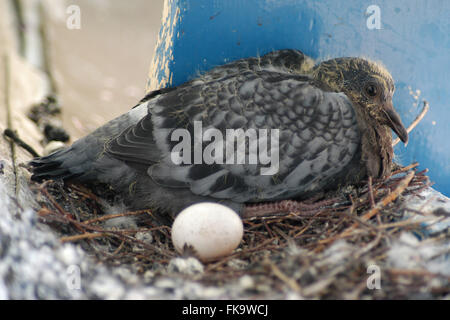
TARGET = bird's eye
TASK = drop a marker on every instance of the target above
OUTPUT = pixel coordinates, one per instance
(371, 89)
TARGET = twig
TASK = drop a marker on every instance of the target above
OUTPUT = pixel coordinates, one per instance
(43, 189)
(83, 226)
(369, 187)
(404, 223)
(117, 215)
(419, 189)
(268, 229)
(416, 121)
(322, 284)
(82, 237)
(359, 220)
(303, 230)
(83, 191)
(211, 267)
(415, 273)
(380, 205)
(404, 169)
(390, 197)
(119, 248)
(282, 276)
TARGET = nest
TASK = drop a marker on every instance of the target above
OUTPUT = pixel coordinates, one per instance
(321, 252)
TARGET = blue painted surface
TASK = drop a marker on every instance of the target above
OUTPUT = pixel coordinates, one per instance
(413, 43)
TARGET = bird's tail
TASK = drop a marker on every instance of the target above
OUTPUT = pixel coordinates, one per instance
(53, 166)
(86, 159)
(74, 162)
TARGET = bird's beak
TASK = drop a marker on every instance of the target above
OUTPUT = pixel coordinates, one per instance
(395, 123)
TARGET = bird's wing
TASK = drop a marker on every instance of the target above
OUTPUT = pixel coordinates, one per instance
(317, 134)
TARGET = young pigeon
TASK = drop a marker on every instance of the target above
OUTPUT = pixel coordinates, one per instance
(330, 124)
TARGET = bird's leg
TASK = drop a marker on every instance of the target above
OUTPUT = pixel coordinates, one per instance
(284, 206)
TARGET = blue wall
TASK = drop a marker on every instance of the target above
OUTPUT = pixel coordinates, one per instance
(413, 43)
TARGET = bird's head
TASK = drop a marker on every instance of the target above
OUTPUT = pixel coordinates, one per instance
(368, 85)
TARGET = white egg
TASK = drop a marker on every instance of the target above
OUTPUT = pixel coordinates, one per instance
(212, 229)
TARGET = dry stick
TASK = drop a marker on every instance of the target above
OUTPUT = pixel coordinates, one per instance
(415, 272)
(284, 208)
(82, 226)
(407, 168)
(83, 236)
(120, 235)
(284, 235)
(419, 118)
(158, 228)
(371, 196)
(83, 191)
(359, 220)
(303, 230)
(292, 283)
(389, 198)
(419, 190)
(56, 204)
(405, 223)
(422, 173)
(370, 189)
(66, 215)
(119, 248)
(323, 283)
(403, 184)
(211, 267)
(268, 229)
(368, 247)
(117, 215)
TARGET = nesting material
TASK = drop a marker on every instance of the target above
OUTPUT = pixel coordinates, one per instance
(212, 230)
(324, 252)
